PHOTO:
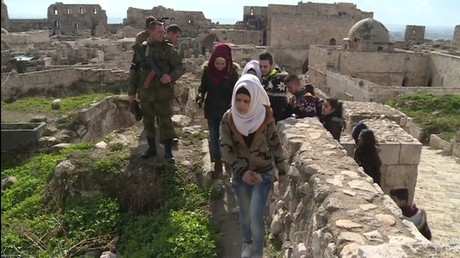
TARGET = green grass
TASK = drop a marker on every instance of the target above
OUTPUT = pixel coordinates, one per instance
(435, 114)
(43, 105)
(40, 222)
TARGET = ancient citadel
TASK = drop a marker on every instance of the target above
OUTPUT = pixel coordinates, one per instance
(341, 49)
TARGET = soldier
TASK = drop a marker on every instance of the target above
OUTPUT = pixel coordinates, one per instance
(144, 35)
(173, 33)
(151, 75)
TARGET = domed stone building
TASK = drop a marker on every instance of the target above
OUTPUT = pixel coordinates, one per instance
(368, 35)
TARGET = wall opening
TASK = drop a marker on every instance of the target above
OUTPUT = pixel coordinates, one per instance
(55, 11)
(94, 11)
(252, 11)
(405, 81)
(305, 66)
(82, 11)
(77, 26)
(67, 10)
(430, 82)
(56, 24)
(380, 48)
(332, 42)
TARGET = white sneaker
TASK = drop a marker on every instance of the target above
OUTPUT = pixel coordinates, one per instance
(246, 251)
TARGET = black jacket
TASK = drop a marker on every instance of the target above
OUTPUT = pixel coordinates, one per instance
(217, 97)
(334, 125)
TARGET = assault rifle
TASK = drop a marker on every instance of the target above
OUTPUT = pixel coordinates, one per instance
(155, 70)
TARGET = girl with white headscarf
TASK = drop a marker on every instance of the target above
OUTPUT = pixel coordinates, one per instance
(249, 144)
(253, 67)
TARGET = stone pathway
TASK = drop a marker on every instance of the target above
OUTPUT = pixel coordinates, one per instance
(438, 192)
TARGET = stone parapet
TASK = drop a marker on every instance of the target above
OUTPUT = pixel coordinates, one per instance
(329, 207)
(399, 151)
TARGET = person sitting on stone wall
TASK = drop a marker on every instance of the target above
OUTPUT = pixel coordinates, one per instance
(332, 117)
(366, 155)
(411, 212)
(303, 102)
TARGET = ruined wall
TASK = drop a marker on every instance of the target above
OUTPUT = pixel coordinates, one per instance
(191, 23)
(60, 81)
(415, 34)
(76, 19)
(456, 38)
(24, 41)
(386, 68)
(445, 70)
(17, 25)
(330, 208)
(305, 24)
(348, 88)
(4, 16)
(239, 37)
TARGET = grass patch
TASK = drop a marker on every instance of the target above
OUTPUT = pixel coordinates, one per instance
(43, 105)
(435, 114)
(34, 225)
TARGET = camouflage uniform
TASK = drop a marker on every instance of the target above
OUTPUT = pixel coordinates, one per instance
(157, 98)
(142, 36)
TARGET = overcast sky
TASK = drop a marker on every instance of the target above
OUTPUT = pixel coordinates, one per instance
(389, 12)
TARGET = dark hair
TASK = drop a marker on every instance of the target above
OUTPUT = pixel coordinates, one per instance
(266, 56)
(337, 106)
(368, 139)
(310, 89)
(153, 24)
(357, 130)
(400, 193)
(149, 20)
(174, 28)
(243, 90)
(292, 78)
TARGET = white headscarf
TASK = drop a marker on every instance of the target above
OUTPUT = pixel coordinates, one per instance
(253, 64)
(253, 119)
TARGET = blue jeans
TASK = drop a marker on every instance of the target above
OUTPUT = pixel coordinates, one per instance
(251, 200)
(214, 144)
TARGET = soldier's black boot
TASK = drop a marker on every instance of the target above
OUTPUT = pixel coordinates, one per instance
(168, 151)
(151, 151)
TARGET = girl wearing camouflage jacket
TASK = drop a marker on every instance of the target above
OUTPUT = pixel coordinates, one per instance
(250, 143)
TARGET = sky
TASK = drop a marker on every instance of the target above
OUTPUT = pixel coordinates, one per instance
(389, 12)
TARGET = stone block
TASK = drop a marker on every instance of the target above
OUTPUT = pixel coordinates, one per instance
(410, 153)
(394, 176)
(390, 153)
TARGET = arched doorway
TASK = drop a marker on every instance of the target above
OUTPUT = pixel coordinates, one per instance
(332, 42)
(405, 81)
(208, 42)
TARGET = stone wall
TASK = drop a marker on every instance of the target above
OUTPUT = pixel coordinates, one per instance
(445, 70)
(240, 37)
(349, 88)
(60, 81)
(388, 68)
(26, 40)
(414, 33)
(304, 24)
(18, 25)
(4, 15)
(75, 19)
(456, 37)
(399, 152)
(331, 208)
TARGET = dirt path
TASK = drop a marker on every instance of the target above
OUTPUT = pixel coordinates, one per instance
(225, 217)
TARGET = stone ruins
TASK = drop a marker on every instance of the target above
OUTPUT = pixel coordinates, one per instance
(330, 207)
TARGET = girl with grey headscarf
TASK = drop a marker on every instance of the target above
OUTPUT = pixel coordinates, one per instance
(249, 144)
